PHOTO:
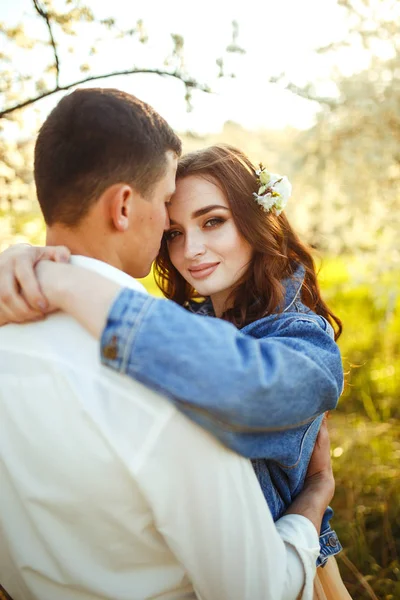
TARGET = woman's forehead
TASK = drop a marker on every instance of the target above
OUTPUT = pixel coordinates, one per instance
(193, 192)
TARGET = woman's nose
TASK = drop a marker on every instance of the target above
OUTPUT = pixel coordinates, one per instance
(193, 247)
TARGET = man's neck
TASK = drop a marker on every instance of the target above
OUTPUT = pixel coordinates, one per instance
(79, 242)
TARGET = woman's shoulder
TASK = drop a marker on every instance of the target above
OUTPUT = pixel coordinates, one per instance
(298, 318)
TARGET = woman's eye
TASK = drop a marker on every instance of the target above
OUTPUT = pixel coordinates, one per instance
(171, 235)
(214, 222)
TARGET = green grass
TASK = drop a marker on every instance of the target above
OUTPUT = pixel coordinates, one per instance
(366, 429)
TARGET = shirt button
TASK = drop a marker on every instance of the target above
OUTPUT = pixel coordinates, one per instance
(332, 541)
(110, 351)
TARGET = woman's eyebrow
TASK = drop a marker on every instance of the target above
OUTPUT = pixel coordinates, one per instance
(202, 211)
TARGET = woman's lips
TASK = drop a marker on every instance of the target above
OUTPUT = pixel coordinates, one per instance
(203, 270)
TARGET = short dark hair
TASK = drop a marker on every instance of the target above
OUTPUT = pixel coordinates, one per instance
(95, 138)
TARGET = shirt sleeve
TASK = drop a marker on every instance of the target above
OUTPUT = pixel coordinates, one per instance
(214, 518)
(223, 379)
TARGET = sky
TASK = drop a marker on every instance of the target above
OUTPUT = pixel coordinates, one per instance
(278, 36)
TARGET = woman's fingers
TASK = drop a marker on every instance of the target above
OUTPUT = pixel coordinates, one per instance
(26, 277)
(323, 439)
(21, 298)
(13, 307)
(28, 284)
(54, 253)
(19, 288)
(321, 458)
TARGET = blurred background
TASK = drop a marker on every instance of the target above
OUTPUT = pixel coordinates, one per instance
(311, 89)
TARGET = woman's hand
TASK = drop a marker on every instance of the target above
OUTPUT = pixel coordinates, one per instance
(83, 294)
(55, 280)
(32, 285)
(320, 466)
(319, 485)
(21, 297)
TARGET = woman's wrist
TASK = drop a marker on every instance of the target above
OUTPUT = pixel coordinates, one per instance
(314, 499)
(56, 282)
(83, 294)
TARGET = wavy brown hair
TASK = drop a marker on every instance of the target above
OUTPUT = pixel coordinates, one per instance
(277, 248)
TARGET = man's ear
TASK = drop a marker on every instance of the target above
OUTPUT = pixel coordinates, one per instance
(119, 200)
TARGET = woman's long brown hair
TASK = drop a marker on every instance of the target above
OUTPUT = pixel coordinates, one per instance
(277, 248)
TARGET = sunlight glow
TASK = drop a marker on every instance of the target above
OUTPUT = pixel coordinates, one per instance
(278, 37)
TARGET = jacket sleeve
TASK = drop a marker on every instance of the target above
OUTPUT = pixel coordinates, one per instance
(229, 382)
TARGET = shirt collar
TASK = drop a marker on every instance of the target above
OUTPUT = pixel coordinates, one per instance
(92, 264)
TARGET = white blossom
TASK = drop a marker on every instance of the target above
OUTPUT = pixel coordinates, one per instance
(274, 191)
(264, 177)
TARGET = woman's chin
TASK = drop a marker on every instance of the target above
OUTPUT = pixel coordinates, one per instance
(207, 290)
(203, 290)
(208, 286)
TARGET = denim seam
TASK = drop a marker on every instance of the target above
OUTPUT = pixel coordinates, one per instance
(293, 299)
(131, 338)
(242, 428)
(304, 317)
(325, 531)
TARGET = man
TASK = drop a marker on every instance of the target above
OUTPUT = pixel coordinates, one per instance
(108, 491)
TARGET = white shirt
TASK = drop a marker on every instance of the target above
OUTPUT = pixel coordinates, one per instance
(106, 491)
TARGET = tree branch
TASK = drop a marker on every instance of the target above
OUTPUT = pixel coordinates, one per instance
(303, 92)
(45, 15)
(189, 83)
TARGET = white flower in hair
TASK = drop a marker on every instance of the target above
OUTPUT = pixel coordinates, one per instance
(274, 191)
(264, 177)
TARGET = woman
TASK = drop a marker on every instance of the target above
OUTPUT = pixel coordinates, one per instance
(217, 228)
(230, 243)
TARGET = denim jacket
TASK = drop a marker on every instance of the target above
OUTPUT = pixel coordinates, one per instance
(261, 390)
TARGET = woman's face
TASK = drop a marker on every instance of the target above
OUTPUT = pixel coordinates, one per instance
(204, 243)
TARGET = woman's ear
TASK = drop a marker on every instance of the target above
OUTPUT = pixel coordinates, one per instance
(120, 200)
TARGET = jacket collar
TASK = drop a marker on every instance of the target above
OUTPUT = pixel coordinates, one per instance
(293, 285)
